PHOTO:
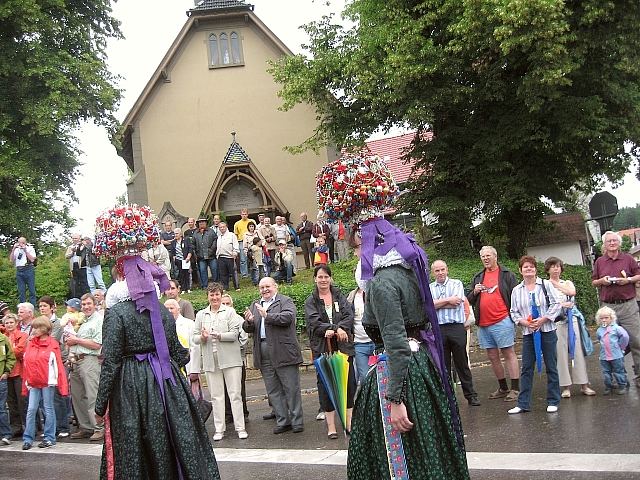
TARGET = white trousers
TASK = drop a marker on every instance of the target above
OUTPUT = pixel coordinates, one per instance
(578, 374)
(216, 380)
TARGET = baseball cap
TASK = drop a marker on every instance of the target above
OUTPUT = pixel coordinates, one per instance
(73, 303)
(282, 242)
(3, 307)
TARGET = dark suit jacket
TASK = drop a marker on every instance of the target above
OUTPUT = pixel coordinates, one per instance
(280, 330)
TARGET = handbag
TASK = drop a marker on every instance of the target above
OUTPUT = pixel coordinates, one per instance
(585, 337)
(204, 406)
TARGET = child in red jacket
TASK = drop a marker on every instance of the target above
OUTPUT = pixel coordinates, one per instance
(43, 372)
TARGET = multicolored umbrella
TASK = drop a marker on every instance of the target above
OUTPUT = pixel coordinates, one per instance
(333, 369)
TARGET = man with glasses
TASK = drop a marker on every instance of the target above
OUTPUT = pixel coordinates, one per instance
(614, 275)
(448, 298)
(490, 296)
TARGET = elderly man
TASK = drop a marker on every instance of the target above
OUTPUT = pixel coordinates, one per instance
(74, 263)
(490, 295)
(94, 269)
(26, 315)
(614, 274)
(282, 230)
(304, 230)
(23, 257)
(84, 348)
(204, 243)
(227, 251)
(276, 352)
(448, 298)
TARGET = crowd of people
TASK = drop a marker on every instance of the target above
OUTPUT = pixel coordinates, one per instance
(57, 371)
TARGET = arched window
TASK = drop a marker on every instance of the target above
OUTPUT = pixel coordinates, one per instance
(235, 48)
(224, 49)
(213, 49)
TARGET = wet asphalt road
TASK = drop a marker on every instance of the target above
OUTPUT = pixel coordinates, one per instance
(603, 425)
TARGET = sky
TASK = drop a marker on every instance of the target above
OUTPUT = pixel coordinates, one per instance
(149, 28)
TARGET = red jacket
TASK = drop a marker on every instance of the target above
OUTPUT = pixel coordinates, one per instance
(19, 343)
(42, 361)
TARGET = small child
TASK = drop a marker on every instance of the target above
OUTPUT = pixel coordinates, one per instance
(320, 252)
(613, 340)
(257, 265)
(72, 320)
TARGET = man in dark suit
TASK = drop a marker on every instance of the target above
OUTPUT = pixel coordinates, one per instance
(276, 352)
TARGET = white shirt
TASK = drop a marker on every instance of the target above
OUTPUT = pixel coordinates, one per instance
(521, 304)
(21, 262)
(265, 304)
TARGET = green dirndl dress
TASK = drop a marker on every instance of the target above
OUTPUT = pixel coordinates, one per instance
(430, 447)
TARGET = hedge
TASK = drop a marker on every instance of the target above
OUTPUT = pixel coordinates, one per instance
(52, 278)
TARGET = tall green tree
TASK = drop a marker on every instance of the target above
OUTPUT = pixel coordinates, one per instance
(525, 100)
(53, 76)
(627, 217)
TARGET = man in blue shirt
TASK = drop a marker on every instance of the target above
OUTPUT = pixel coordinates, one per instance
(448, 298)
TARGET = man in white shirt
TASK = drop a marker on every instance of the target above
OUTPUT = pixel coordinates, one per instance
(23, 257)
(227, 251)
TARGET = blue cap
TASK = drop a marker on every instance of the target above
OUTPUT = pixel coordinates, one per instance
(73, 303)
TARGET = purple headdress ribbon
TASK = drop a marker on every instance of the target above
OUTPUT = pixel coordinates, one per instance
(140, 276)
(411, 252)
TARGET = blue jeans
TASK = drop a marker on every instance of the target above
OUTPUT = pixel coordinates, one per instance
(47, 394)
(26, 277)
(5, 429)
(244, 270)
(94, 278)
(549, 340)
(257, 274)
(286, 275)
(363, 352)
(211, 264)
(614, 368)
(62, 407)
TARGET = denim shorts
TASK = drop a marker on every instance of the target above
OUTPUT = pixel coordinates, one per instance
(498, 335)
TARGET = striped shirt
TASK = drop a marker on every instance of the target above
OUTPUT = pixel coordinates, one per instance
(450, 288)
(521, 305)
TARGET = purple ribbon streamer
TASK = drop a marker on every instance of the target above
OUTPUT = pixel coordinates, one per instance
(411, 252)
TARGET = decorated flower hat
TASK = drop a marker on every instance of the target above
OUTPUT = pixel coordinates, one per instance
(126, 230)
(356, 187)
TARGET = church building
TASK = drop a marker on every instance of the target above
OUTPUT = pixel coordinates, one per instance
(206, 136)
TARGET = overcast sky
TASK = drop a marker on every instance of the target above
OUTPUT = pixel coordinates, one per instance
(149, 27)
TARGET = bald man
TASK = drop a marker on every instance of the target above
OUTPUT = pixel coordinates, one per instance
(448, 298)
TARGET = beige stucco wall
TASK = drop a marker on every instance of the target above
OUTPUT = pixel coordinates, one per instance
(185, 126)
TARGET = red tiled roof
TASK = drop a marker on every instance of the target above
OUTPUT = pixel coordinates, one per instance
(632, 233)
(564, 227)
(391, 150)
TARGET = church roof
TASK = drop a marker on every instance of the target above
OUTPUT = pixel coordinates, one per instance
(236, 153)
(221, 4)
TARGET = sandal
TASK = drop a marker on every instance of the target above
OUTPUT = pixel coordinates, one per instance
(332, 435)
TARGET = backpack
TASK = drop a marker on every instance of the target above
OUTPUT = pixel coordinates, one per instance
(294, 236)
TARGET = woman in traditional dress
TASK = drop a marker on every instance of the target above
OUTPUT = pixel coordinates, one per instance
(329, 318)
(153, 428)
(577, 374)
(405, 418)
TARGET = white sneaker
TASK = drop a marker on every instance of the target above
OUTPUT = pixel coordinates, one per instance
(218, 436)
(6, 441)
(63, 434)
(242, 434)
(552, 409)
(320, 416)
(515, 411)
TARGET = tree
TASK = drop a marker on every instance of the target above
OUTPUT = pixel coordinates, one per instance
(525, 100)
(53, 75)
(627, 217)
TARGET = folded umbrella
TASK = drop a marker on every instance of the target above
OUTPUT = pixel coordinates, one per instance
(537, 336)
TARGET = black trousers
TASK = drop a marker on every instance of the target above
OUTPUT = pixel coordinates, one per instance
(226, 270)
(454, 343)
